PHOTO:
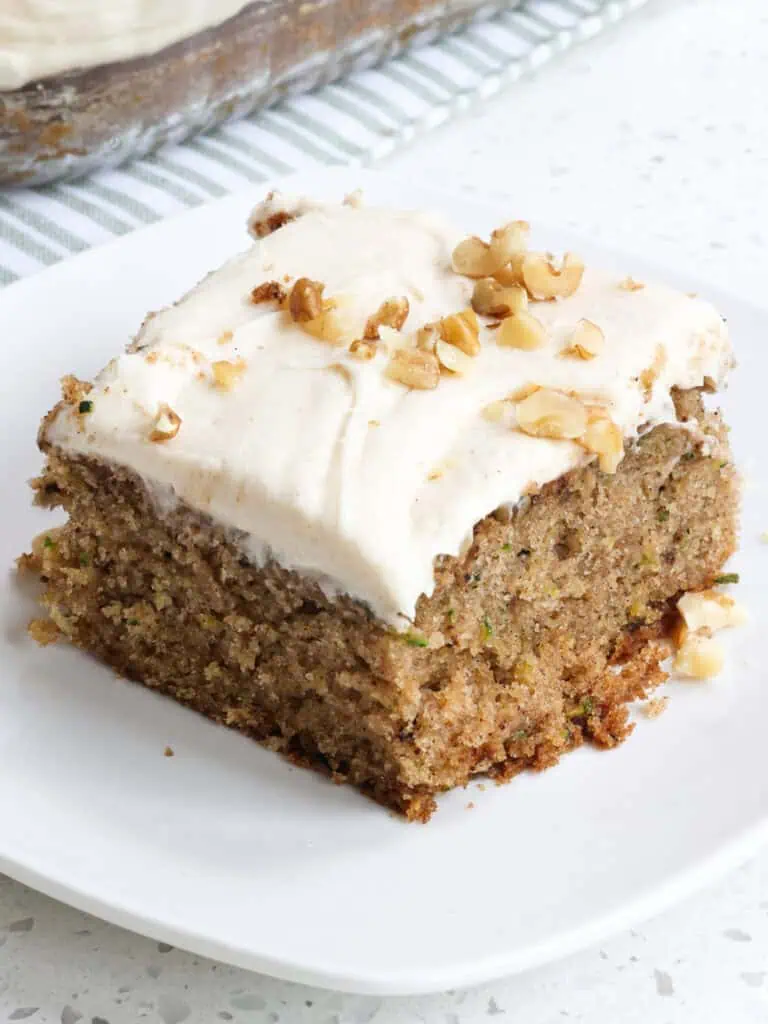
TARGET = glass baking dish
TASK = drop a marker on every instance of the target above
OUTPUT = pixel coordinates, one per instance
(79, 120)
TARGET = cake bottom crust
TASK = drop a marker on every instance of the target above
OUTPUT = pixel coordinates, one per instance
(533, 642)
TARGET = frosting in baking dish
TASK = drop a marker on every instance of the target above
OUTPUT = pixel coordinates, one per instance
(39, 38)
(327, 462)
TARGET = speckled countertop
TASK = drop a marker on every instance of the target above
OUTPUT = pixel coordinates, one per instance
(653, 139)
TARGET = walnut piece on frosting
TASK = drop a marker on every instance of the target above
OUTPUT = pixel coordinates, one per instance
(603, 438)
(462, 330)
(275, 211)
(166, 424)
(305, 301)
(427, 337)
(629, 284)
(473, 258)
(269, 291)
(414, 368)
(490, 298)
(225, 373)
(544, 280)
(317, 316)
(522, 331)
(363, 349)
(509, 241)
(506, 259)
(391, 313)
(551, 414)
(452, 358)
(586, 341)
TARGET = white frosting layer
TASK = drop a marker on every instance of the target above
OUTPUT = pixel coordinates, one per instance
(328, 471)
(39, 38)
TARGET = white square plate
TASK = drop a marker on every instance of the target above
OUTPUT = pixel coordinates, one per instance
(226, 849)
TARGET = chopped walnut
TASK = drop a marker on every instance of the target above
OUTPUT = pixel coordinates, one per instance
(699, 657)
(490, 298)
(225, 374)
(452, 358)
(306, 300)
(629, 284)
(586, 341)
(551, 414)
(497, 412)
(511, 274)
(462, 330)
(328, 326)
(709, 609)
(166, 425)
(391, 313)
(271, 223)
(315, 315)
(508, 242)
(522, 331)
(522, 392)
(546, 281)
(269, 291)
(604, 438)
(427, 337)
(414, 368)
(473, 258)
(363, 349)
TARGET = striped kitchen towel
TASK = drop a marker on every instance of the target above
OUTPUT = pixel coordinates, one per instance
(356, 121)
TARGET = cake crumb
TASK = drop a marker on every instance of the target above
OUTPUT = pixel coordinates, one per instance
(470, 806)
(43, 631)
(169, 752)
(654, 708)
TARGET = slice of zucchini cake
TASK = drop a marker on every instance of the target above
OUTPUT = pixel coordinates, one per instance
(400, 504)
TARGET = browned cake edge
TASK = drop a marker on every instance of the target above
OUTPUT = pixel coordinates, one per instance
(534, 641)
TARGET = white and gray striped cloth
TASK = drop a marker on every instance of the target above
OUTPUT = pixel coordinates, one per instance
(357, 120)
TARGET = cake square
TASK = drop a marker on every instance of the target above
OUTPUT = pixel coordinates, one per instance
(401, 505)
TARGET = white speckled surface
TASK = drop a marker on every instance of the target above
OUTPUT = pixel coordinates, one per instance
(652, 139)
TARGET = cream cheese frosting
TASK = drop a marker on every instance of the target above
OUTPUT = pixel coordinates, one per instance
(39, 38)
(322, 462)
